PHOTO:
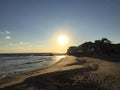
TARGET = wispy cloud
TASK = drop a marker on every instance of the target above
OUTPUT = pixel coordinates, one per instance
(5, 34)
(20, 42)
(17, 43)
(4, 39)
(7, 37)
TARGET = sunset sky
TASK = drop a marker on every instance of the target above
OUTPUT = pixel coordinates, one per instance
(36, 25)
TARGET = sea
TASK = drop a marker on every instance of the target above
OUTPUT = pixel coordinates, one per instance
(18, 64)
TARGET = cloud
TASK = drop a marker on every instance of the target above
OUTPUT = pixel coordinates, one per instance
(20, 42)
(7, 32)
(17, 43)
(4, 32)
(5, 40)
(7, 37)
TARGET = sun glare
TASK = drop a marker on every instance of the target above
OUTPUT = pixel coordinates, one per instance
(62, 40)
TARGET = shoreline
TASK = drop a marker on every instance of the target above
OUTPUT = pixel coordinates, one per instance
(67, 67)
(5, 81)
(16, 71)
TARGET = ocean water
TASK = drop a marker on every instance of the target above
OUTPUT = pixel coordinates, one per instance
(12, 65)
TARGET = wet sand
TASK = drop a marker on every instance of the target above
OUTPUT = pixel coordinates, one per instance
(70, 73)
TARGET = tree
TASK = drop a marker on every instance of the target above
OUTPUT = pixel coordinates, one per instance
(105, 41)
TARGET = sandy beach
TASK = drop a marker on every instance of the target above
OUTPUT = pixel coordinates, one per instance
(70, 73)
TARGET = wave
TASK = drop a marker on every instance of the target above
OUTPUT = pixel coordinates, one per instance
(19, 64)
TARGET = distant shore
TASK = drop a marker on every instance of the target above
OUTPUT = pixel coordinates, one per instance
(70, 73)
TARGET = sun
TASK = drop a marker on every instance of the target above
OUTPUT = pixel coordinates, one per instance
(62, 40)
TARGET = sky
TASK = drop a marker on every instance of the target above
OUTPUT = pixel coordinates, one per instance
(35, 25)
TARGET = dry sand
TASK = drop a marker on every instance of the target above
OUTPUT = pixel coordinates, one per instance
(70, 73)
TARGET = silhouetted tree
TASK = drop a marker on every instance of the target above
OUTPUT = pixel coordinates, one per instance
(106, 41)
(99, 47)
(72, 50)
